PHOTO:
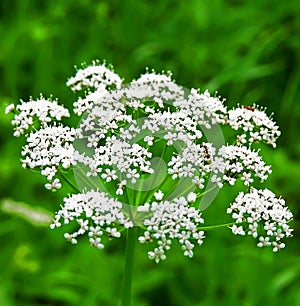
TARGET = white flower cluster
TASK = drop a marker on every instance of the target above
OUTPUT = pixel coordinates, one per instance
(232, 161)
(204, 109)
(159, 88)
(254, 123)
(195, 161)
(42, 109)
(97, 76)
(149, 91)
(177, 126)
(122, 134)
(260, 214)
(172, 220)
(95, 212)
(49, 145)
(47, 149)
(124, 157)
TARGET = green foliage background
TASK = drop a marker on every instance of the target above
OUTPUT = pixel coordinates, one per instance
(247, 50)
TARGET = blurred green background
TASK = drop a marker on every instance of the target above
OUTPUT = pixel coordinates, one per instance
(247, 50)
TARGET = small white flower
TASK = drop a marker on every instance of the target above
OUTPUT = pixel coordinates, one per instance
(191, 197)
(54, 185)
(9, 108)
(277, 246)
(95, 231)
(146, 238)
(121, 187)
(217, 180)
(237, 230)
(55, 223)
(264, 241)
(71, 238)
(199, 236)
(113, 232)
(149, 140)
(132, 175)
(199, 182)
(158, 255)
(109, 175)
(143, 208)
(158, 195)
(188, 248)
(96, 242)
(83, 226)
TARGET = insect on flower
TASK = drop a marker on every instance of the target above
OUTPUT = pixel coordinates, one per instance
(252, 109)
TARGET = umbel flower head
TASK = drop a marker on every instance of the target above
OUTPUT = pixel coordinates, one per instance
(145, 154)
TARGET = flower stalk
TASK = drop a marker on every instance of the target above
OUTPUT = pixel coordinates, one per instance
(128, 267)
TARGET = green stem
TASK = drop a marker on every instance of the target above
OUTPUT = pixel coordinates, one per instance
(69, 182)
(89, 182)
(129, 259)
(150, 193)
(206, 191)
(211, 227)
(139, 193)
(184, 192)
